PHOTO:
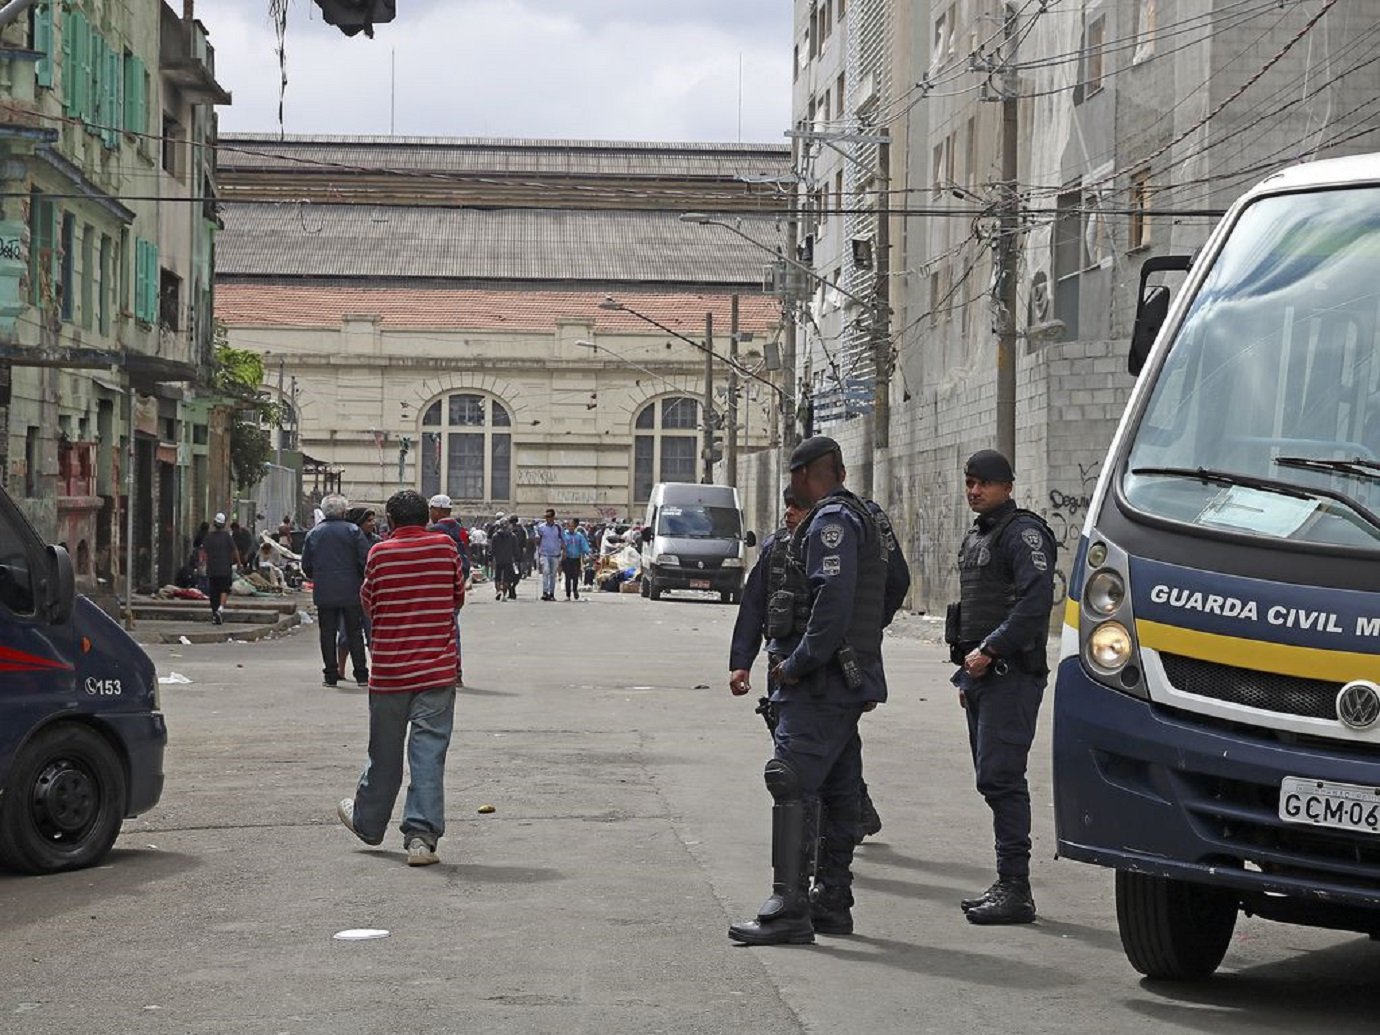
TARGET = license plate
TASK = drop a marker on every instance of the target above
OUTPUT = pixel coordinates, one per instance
(1321, 803)
(700, 583)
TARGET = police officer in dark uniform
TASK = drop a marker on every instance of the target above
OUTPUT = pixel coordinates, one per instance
(997, 635)
(825, 630)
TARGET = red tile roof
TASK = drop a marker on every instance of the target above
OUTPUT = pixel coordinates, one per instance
(240, 304)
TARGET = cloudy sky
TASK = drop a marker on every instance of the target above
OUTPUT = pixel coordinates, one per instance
(588, 69)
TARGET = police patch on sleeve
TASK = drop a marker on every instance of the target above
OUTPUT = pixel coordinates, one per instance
(1038, 558)
(831, 565)
(831, 536)
(1033, 539)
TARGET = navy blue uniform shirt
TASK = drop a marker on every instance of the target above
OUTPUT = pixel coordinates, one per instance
(752, 609)
(832, 543)
(1027, 551)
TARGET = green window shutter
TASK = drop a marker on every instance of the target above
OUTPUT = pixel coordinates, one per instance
(117, 90)
(153, 282)
(140, 276)
(134, 94)
(81, 66)
(97, 83)
(43, 41)
(69, 74)
(110, 93)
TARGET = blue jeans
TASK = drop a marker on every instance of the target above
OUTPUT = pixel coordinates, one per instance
(430, 715)
(550, 564)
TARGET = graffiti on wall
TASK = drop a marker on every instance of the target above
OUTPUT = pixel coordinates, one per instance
(1065, 513)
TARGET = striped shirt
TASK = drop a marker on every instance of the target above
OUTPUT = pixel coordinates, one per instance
(412, 589)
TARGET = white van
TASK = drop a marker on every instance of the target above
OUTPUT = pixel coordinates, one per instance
(693, 539)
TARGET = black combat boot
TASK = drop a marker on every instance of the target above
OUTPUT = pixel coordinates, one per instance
(1009, 902)
(784, 918)
(869, 823)
(977, 900)
(831, 909)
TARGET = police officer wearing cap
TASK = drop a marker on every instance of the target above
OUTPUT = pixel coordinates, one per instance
(997, 634)
(826, 670)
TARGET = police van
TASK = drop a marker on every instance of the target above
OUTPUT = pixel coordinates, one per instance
(1217, 704)
(81, 734)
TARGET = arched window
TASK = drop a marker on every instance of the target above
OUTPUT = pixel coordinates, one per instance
(467, 448)
(665, 444)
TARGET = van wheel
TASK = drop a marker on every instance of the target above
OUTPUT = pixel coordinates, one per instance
(1173, 929)
(63, 803)
(653, 590)
(646, 584)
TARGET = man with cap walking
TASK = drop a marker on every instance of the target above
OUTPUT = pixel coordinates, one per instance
(825, 628)
(221, 558)
(997, 636)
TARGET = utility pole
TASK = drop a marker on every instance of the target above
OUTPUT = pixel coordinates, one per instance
(1007, 252)
(788, 382)
(731, 432)
(278, 451)
(881, 310)
(708, 398)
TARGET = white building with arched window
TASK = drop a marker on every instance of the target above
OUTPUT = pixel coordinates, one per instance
(450, 330)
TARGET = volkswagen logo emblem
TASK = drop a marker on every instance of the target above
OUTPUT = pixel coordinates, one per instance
(1358, 704)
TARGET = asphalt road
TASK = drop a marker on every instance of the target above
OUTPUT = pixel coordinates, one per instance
(631, 827)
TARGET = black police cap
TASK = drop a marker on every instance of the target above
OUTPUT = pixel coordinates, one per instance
(989, 466)
(812, 449)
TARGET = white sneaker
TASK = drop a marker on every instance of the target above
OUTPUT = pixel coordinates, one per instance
(419, 853)
(345, 812)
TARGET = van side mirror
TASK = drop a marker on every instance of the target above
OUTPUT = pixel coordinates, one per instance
(1150, 314)
(62, 586)
(750, 539)
(645, 535)
(1152, 307)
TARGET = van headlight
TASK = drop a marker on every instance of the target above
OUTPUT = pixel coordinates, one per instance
(668, 559)
(1104, 592)
(733, 562)
(1109, 647)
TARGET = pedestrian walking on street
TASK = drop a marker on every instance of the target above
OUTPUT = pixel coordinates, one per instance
(997, 636)
(221, 560)
(366, 519)
(572, 563)
(505, 542)
(413, 588)
(333, 557)
(550, 549)
(826, 670)
(438, 509)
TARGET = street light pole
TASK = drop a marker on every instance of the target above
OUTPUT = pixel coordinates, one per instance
(731, 432)
(708, 477)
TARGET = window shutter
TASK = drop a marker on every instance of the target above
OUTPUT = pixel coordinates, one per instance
(151, 283)
(69, 73)
(134, 94)
(43, 41)
(140, 273)
(97, 84)
(81, 66)
(117, 89)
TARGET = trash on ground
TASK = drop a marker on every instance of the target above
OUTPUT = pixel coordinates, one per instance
(184, 641)
(173, 677)
(486, 809)
(359, 934)
(700, 686)
(305, 618)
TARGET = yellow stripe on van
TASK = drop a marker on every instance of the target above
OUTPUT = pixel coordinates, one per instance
(1071, 613)
(1305, 662)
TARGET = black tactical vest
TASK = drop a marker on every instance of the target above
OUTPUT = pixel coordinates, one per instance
(778, 576)
(869, 597)
(988, 587)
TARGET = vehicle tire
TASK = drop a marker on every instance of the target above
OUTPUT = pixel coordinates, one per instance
(653, 590)
(646, 585)
(1172, 929)
(64, 801)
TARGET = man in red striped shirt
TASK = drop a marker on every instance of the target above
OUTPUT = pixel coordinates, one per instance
(412, 589)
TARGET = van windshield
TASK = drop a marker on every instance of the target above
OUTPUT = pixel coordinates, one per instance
(1265, 418)
(697, 521)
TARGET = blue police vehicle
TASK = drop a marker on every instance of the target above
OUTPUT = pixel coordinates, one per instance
(81, 735)
(1217, 708)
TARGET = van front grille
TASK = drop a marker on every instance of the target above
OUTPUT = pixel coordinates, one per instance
(1288, 695)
